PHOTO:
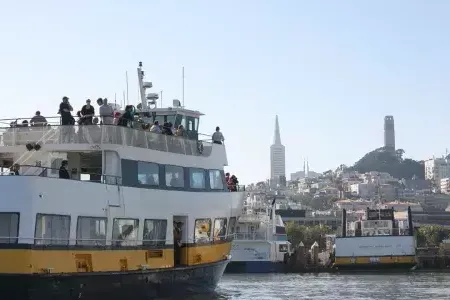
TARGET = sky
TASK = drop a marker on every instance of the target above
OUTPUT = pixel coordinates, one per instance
(331, 70)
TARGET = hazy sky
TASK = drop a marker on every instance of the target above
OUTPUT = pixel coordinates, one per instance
(331, 70)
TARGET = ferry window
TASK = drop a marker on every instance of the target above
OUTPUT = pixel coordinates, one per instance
(232, 226)
(215, 180)
(155, 232)
(197, 178)
(125, 232)
(174, 176)
(55, 165)
(91, 231)
(9, 228)
(52, 230)
(282, 248)
(148, 173)
(202, 230)
(220, 229)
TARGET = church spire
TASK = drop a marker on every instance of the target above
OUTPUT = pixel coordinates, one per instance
(276, 137)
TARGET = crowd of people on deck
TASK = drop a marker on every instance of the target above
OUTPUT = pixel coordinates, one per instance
(108, 116)
(232, 182)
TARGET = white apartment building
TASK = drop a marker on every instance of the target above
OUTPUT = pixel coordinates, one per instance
(445, 186)
(353, 205)
(437, 169)
(378, 177)
(403, 206)
(363, 190)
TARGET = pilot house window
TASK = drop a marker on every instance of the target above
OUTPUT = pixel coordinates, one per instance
(9, 228)
(91, 231)
(52, 230)
(174, 176)
(125, 232)
(215, 180)
(202, 231)
(232, 226)
(197, 178)
(155, 232)
(148, 173)
(220, 229)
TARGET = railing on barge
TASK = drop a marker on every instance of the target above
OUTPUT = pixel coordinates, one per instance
(95, 135)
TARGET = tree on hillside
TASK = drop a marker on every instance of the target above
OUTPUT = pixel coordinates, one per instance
(431, 235)
(385, 161)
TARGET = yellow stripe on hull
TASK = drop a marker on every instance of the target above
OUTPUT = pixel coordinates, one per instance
(203, 254)
(29, 261)
(364, 260)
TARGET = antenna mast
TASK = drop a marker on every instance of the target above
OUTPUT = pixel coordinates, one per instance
(126, 78)
(141, 86)
(182, 77)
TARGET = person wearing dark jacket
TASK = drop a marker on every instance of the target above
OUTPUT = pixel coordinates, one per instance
(63, 172)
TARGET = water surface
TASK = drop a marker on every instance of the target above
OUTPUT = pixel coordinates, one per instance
(333, 286)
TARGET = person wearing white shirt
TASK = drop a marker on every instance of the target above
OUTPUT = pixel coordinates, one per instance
(217, 137)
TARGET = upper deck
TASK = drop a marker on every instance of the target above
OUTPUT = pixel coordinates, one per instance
(95, 135)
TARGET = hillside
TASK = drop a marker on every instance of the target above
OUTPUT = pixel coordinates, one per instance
(384, 161)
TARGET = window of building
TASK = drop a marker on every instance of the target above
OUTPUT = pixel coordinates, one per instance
(282, 248)
(174, 176)
(220, 229)
(202, 232)
(232, 226)
(91, 231)
(52, 230)
(9, 228)
(155, 232)
(215, 180)
(148, 173)
(197, 178)
(125, 232)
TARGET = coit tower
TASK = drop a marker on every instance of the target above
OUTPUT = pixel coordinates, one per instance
(389, 133)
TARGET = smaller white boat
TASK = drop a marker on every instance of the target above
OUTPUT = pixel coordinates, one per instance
(260, 243)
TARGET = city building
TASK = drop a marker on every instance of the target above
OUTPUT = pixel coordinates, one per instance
(445, 186)
(435, 170)
(389, 133)
(277, 158)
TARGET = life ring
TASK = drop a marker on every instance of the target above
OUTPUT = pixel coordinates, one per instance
(200, 147)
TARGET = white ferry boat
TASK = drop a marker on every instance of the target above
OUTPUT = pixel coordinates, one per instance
(143, 214)
(260, 242)
(378, 241)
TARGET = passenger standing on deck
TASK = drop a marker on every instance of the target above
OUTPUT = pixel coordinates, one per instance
(217, 137)
(88, 112)
(66, 119)
(63, 172)
(106, 113)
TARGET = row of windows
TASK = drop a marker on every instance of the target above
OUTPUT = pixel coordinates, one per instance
(153, 175)
(92, 231)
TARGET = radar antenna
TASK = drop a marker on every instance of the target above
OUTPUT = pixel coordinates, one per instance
(148, 101)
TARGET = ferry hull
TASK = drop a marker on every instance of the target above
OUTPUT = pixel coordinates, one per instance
(238, 267)
(175, 282)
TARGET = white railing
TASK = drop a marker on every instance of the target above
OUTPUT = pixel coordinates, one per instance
(107, 242)
(95, 135)
(255, 236)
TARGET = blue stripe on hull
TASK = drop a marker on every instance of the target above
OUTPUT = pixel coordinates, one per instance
(255, 267)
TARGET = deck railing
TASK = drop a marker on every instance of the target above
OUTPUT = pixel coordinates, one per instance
(100, 242)
(255, 236)
(38, 171)
(95, 135)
